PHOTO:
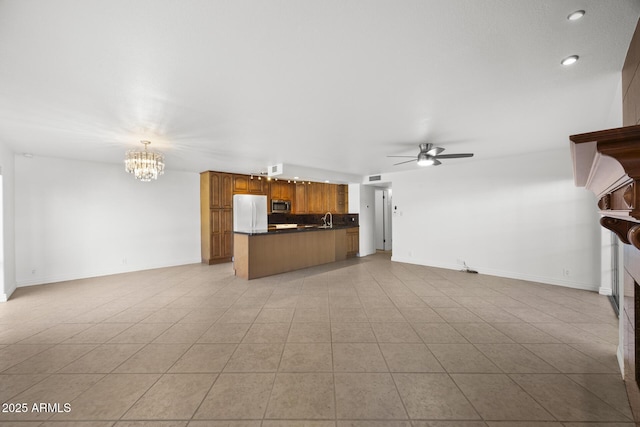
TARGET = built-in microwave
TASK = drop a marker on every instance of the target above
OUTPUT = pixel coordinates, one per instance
(280, 206)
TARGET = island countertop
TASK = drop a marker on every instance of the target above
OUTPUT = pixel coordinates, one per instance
(266, 252)
(297, 229)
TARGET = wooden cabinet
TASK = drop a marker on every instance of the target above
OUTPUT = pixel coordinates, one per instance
(218, 188)
(222, 233)
(226, 191)
(257, 185)
(342, 199)
(353, 241)
(240, 184)
(300, 199)
(316, 197)
(216, 217)
(331, 198)
(246, 184)
(274, 190)
(213, 183)
(266, 254)
(281, 190)
(322, 198)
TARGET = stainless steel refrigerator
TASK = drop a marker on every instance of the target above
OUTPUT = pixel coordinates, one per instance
(249, 213)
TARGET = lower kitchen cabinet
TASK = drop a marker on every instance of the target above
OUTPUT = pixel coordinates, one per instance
(264, 254)
(353, 241)
(222, 234)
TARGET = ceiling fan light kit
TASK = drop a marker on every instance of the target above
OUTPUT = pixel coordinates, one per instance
(425, 160)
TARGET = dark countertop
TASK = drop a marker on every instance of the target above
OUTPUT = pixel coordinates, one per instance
(298, 229)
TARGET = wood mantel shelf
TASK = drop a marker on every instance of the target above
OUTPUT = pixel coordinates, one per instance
(607, 162)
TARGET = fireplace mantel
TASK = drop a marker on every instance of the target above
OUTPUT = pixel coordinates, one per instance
(607, 162)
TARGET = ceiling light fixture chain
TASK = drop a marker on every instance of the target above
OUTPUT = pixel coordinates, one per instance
(144, 165)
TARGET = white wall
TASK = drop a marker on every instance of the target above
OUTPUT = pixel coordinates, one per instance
(77, 219)
(519, 217)
(8, 234)
(362, 202)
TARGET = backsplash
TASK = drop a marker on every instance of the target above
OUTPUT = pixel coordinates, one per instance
(304, 219)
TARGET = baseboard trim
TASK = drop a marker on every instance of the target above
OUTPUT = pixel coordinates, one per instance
(67, 277)
(505, 274)
(4, 297)
(605, 291)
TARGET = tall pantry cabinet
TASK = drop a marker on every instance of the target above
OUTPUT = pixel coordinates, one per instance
(216, 216)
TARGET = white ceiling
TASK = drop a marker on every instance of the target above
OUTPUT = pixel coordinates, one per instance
(237, 85)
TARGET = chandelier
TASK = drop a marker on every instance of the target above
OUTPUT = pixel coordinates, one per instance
(144, 165)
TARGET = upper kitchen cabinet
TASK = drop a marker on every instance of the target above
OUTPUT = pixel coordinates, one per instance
(245, 184)
(332, 198)
(342, 199)
(317, 197)
(281, 190)
(258, 186)
(216, 190)
(300, 199)
(323, 198)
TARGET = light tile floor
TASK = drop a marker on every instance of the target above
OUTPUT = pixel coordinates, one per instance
(365, 342)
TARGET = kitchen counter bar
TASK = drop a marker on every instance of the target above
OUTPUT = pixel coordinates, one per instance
(298, 229)
(265, 253)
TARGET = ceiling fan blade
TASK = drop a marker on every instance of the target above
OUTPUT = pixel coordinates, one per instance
(454, 156)
(402, 156)
(401, 163)
(436, 162)
(435, 151)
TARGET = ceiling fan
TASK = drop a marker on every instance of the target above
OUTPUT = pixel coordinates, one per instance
(429, 155)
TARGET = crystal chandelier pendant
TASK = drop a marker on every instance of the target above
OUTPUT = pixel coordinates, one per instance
(144, 165)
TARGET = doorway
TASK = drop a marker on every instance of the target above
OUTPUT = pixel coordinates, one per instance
(383, 221)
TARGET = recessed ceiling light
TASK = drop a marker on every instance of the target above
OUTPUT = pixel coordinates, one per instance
(576, 15)
(569, 60)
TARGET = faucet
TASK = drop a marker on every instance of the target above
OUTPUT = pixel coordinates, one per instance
(324, 220)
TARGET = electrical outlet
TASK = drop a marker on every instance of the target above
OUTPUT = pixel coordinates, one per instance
(124, 261)
(33, 271)
(566, 272)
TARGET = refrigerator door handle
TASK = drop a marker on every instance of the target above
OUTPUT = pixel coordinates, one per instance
(254, 216)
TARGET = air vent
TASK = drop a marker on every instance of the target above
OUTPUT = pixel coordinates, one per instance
(375, 178)
(275, 170)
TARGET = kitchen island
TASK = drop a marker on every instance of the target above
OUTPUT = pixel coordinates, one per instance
(268, 252)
